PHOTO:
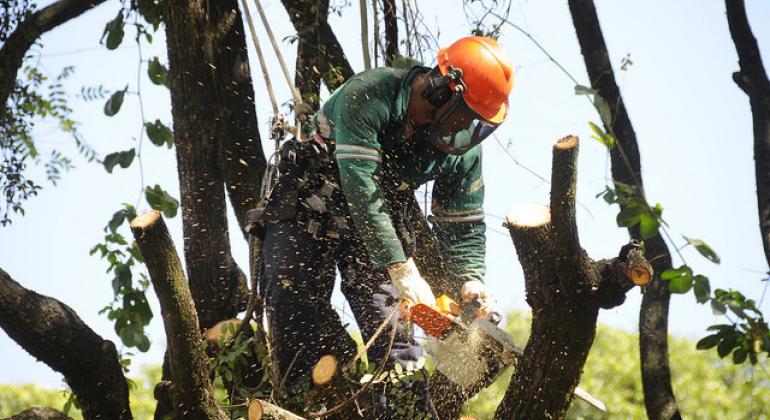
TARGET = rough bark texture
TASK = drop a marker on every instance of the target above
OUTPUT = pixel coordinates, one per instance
(391, 30)
(16, 46)
(40, 413)
(752, 79)
(319, 54)
(197, 35)
(54, 334)
(191, 390)
(238, 135)
(565, 289)
(626, 167)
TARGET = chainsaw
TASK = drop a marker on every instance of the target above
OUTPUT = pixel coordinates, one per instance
(467, 348)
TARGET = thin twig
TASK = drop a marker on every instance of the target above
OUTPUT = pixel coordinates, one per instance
(371, 339)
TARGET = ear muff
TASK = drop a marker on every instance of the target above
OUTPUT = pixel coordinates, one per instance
(439, 90)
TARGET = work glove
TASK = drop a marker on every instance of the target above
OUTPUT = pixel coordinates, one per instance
(476, 291)
(409, 283)
(386, 300)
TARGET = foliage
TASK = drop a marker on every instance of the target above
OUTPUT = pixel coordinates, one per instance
(34, 99)
(707, 387)
(16, 398)
(129, 309)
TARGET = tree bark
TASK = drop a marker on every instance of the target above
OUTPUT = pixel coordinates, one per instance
(53, 333)
(238, 132)
(565, 289)
(16, 46)
(626, 168)
(197, 34)
(391, 30)
(752, 79)
(319, 53)
(40, 413)
(191, 390)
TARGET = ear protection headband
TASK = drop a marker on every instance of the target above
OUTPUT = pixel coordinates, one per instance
(440, 89)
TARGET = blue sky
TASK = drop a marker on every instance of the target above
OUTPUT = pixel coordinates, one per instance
(692, 122)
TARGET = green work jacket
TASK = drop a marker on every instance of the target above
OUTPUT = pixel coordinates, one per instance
(366, 117)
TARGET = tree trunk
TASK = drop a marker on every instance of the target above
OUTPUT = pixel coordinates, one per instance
(191, 390)
(565, 289)
(626, 167)
(16, 46)
(53, 333)
(197, 34)
(752, 79)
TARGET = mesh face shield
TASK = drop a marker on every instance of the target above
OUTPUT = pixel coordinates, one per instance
(458, 129)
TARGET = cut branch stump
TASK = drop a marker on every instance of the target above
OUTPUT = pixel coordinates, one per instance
(565, 289)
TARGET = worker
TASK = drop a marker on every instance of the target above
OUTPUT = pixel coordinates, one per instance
(340, 201)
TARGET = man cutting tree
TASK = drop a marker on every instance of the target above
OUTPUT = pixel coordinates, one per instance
(340, 199)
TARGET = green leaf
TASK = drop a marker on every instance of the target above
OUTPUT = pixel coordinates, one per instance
(159, 134)
(629, 216)
(161, 200)
(717, 307)
(123, 159)
(739, 356)
(604, 109)
(599, 135)
(150, 11)
(704, 249)
(112, 106)
(114, 31)
(143, 343)
(157, 72)
(727, 345)
(720, 327)
(366, 378)
(679, 279)
(707, 342)
(648, 225)
(701, 288)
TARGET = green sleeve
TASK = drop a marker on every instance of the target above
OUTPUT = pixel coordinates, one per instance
(358, 157)
(458, 217)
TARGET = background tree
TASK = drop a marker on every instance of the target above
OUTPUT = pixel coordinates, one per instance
(626, 170)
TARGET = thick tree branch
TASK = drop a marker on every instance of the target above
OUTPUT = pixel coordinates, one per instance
(53, 333)
(391, 30)
(191, 391)
(16, 46)
(752, 79)
(319, 54)
(563, 189)
(626, 168)
(244, 160)
(565, 289)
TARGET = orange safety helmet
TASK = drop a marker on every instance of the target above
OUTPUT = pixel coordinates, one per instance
(487, 73)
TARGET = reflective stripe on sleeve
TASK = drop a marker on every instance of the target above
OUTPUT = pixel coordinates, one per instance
(457, 219)
(340, 156)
